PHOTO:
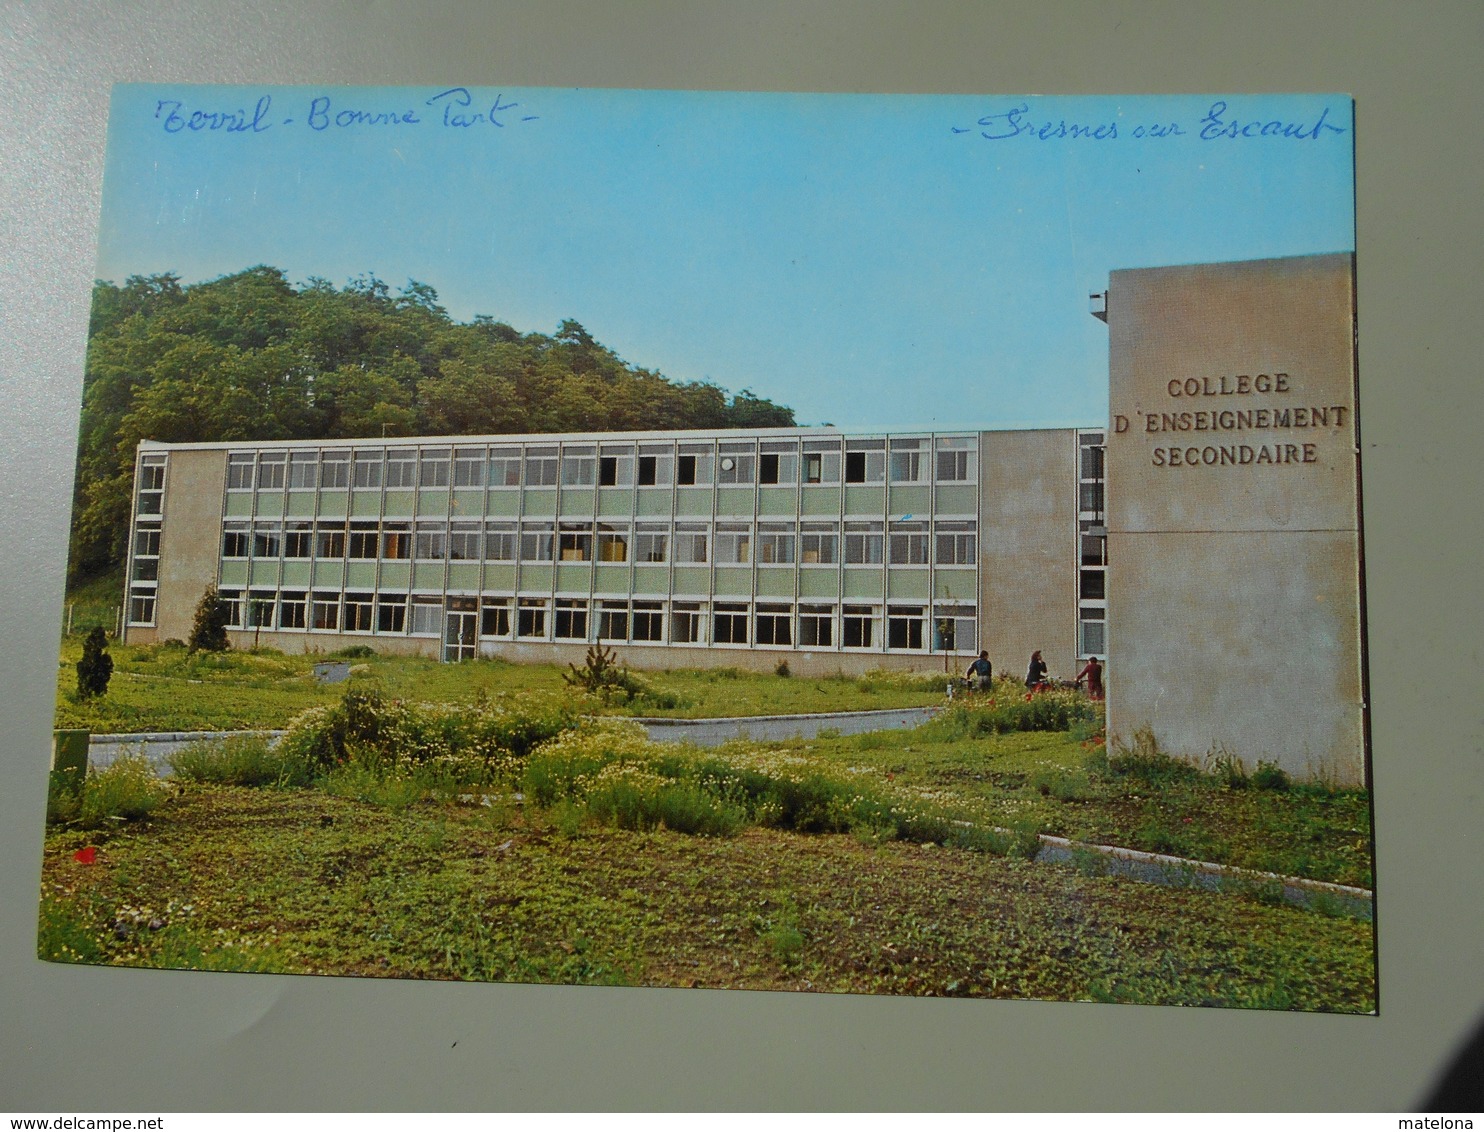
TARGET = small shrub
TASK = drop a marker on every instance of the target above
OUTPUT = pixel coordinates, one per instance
(209, 626)
(1227, 769)
(604, 675)
(1063, 785)
(355, 652)
(239, 760)
(782, 669)
(1270, 776)
(1143, 761)
(95, 667)
(127, 790)
(781, 935)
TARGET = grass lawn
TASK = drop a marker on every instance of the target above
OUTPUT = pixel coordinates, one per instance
(303, 881)
(157, 688)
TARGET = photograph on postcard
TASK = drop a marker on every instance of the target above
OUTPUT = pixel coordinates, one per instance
(857, 543)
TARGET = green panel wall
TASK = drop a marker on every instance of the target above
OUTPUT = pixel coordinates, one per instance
(615, 501)
(867, 501)
(819, 583)
(269, 503)
(902, 583)
(504, 503)
(573, 578)
(234, 573)
(693, 501)
(956, 499)
(539, 501)
(433, 501)
(427, 575)
(960, 583)
(365, 504)
(578, 501)
(734, 581)
(911, 499)
(396, 576)
(693, 580)
(775, 582)
(734, 501)
(399, 503)
(863, 585)
(651, 579)
(468, 503)
(654, 501)
(300, 503)
(328, 575)
(360, 575)
(463, 575)
(296, 572)
(820, 501)
(535, 579)
(332, 504)
(777, 500)
(611, 579)
(499, 576)
(239, 504)
(265, 573)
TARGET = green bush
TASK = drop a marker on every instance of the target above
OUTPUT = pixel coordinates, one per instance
(355, 652)
(127, 790)
(1144, 762)
(1011, 708)
(1270, 776)
(95, 667)
(209, 626)
(239, 760)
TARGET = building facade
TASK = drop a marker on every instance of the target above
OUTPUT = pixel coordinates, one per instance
(833, 551)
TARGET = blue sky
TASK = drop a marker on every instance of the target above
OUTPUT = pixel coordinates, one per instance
(872, 261)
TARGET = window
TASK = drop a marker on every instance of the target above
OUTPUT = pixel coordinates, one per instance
(146, 570)
(572, 619)
(1092, 459)
(271, 469)
(729, 624)
(260, 609)
(855, 626)
(1094, 638)
(650, 544)
(267, 540)
(819, 544)
(396, 541)
(816, 626)
(427, 617)
(368, 469)
(775, 544)
(615, 470)
(536, 542)
(1090, 497)
(298, 540)
(690, 543)
(778, 464)
(863, 544)
(504, 467)
(654, 465)
(141, 607)
(468, 467)
(363, 540)
(232, 599)
(774, 625)
(733, 545)
(494, 617)
(865, 461)
(501, 542)
(464, 540)
(358, 610)
(904, 627)
(1094, 549)
(334, 469)
(613, 544)
(235, 540)
(541, 467)
(531, 618)
(953, 463)
(391, 613)
(1092, 585)
(293, 610)
(821, 461)
(239, 471)
(303, 467)
(575, 544)
(147, 541)
(735, 464)
(693, 465)
(685, 622)
(577, 467)
(955, 629)
(431, 544)
(906, 461)
(325, 611)
(401, 467)
(613, 621)
(432, 470)
(648, 621)
(329, 541)
(909, 544)
(151, 485)
(955, 544)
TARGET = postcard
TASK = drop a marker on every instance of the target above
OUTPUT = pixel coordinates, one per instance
(866, 544)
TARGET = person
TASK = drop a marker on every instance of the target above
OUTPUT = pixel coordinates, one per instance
(981, 672)
(1035, 676)
(1093, 672)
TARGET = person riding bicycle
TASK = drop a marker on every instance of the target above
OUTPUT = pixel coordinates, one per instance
(1035, 676)
(981, 672)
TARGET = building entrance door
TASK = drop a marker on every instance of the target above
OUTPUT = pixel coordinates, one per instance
(460, 629)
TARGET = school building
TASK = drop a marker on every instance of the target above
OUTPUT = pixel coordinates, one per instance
(837, 552)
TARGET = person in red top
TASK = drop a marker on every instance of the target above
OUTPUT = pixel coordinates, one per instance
(1093, 672)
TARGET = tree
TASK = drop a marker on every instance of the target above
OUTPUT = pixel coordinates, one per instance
(209, 629)
(96, 666)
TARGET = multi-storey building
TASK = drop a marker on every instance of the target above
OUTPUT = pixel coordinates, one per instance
(835, 551)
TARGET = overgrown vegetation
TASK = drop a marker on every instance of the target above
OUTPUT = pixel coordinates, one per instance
(127, 790)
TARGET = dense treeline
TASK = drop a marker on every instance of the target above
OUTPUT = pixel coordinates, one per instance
(251, 357)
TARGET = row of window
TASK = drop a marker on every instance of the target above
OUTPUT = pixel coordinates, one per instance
(906, 543)
(947, 628)
(784, 463)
